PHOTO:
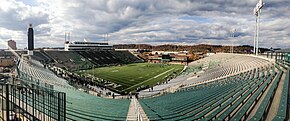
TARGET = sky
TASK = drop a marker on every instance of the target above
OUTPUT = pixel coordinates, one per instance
(156, 22)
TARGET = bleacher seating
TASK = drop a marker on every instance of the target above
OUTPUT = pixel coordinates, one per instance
(80, 60)
(80, 105)
(203, 71)
(209, 101)
(238, 87)
(106, 58)
(40, 56)
(230, 64)
(89, 107)
(34, 70)
(126, 56)
(259, 115)
(282, 109)
(69, 59)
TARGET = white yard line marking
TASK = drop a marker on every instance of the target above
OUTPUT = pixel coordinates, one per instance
(150, 79)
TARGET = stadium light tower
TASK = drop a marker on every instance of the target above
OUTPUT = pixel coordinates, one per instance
(233, 35)
(257, 12)
(255, 35)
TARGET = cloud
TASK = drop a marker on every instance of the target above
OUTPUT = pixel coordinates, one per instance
(145, 21)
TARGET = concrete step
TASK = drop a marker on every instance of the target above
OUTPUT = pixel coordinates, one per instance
(136, 112)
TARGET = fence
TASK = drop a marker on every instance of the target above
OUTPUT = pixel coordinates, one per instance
(31, 103)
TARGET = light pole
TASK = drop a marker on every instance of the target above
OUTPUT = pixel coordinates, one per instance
(257, 12)
(258, 29)
(233, 35)
(255, 35)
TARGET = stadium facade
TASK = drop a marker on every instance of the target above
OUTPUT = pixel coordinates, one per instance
(69, 46)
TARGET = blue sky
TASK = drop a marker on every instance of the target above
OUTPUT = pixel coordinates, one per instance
(153, 22)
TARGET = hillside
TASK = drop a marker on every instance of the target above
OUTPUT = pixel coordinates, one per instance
(190, 48)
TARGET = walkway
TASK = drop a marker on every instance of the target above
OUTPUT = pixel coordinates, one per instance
(276, 100)
(136, 112)
(257, 105)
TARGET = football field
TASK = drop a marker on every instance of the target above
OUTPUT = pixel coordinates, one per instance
(131, 76)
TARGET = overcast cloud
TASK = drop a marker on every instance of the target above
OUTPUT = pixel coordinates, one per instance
(144, 21)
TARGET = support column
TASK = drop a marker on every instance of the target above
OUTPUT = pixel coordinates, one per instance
(276, 57)
(271, 55)
(288, 58)
(7, 102)
(281, 54)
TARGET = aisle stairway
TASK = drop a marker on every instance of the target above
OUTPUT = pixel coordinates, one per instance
(136, 112)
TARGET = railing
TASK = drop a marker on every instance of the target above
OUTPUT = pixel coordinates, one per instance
(31, 103)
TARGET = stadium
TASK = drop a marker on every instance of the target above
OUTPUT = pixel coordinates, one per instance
(97, 81)
(221, 86)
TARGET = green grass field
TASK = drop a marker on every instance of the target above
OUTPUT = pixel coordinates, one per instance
(135, 75)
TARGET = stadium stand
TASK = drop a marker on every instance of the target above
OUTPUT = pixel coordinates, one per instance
(281, 112)
(79, 105)
(234, 87)
(204, 99)
(41, 57)
(267, 100)
(34, 70)
(126, 56)
(106, 58)
(81, 60)
(82, 106)
(246, 92)
(69, 60)
(201, 72)
(231, 64)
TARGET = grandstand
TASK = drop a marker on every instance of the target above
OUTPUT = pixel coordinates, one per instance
(34, 69)
(177, 81)
(79, 105)
(205, 70)
(69, 60)
(109, 58)
(82, 60)
(257, 93)
(205, 99)
(218, 87)
(229, 65)
(41, 57)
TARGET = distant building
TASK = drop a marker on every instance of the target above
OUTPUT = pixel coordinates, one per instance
(6, 62)
(12, 45)
(68, 46)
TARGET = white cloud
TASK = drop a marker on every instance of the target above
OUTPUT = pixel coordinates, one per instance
(144, 21)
